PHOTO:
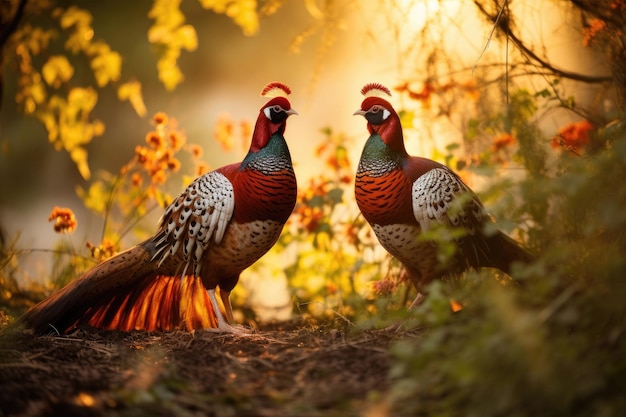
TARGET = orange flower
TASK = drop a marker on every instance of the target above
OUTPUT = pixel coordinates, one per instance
(102, 252)
(456, 306)
(424, 94)
(320, 149)
(158, 177)
(64, 220)
(246, 134)
(176, 140)
(202, 168)
(155, 140)
(160, 118)
(136, 179)
(224, 132)
(173, 164)
(502, 141)
(142, 155)
(573, 137)
(384, 286)
(196, 151)
(590, 33)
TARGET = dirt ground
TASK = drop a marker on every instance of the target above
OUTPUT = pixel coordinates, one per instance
(293, 369)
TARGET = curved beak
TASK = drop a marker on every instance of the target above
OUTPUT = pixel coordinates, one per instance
(291, 111)
(359, 112)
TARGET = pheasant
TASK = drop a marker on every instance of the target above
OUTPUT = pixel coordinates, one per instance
(218, 226)
(405, 197)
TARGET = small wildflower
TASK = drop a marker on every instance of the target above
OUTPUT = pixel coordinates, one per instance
(424, 94)
(155, 140)
(591, 32)
(202, 168)
(141, 153)
(502, 141)
(160, 118)
(196, 151)
(176, 140)
(456, 306)
(173, 164)
(618, 5)
(102, 252)
(573, 137)
(246, 133)
(136, 179)
(64, 220)
(384, 286)
(224, 132)
(319, 150)
(158, 177)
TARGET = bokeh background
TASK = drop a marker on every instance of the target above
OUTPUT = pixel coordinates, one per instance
(446, 61)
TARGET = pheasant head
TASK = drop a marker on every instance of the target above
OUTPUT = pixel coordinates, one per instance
(273, 115)
(382, 119)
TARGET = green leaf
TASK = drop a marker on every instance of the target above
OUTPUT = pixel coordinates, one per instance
(336, 195)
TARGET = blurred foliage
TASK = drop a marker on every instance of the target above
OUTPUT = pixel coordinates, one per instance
(557, 347)
(45, 56)
(554, 347)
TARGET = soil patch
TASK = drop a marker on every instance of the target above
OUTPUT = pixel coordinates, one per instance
(293, 369)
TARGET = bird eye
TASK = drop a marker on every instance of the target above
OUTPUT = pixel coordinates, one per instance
(277, 108)
(375, 109)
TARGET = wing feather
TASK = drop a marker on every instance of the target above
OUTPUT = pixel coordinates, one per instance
(198, 217)
(441, 198)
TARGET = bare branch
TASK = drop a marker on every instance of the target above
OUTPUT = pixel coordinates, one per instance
(504, 26)
(10, 27)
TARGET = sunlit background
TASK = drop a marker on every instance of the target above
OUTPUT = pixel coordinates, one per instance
(324, 50)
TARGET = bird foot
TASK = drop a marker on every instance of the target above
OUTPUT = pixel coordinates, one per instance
(234, 329)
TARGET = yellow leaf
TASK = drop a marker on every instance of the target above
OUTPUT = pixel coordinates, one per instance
(95, 197)
(98, 128)
(406, 118)
(242, 12)
(169, 74)
(80, 21)
(131, 91)
(84, 99)
(313, 9)
(79, 156)
(166, 13)
(57, 70)
(75, 16)
(106, 67)
(50, 121)
(187, 37)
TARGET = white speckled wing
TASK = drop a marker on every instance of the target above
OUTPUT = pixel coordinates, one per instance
(200, 213)
(440, 197)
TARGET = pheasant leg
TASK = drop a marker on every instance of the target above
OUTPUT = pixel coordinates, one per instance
(418, 300)
(222, 325)
(225, 295)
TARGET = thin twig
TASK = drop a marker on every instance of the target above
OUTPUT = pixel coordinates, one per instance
(493, 30)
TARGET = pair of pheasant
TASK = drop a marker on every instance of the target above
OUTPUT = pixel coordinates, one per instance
(227, 219)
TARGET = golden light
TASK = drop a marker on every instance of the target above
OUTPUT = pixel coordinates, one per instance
(418, 12)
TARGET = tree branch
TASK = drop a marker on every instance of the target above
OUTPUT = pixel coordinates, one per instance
(10, 27)
(504, 26)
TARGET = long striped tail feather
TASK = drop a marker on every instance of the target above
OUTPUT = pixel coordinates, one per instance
(125, 293)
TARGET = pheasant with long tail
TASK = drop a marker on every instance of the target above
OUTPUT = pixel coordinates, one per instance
(222, 223)
(403, 197)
